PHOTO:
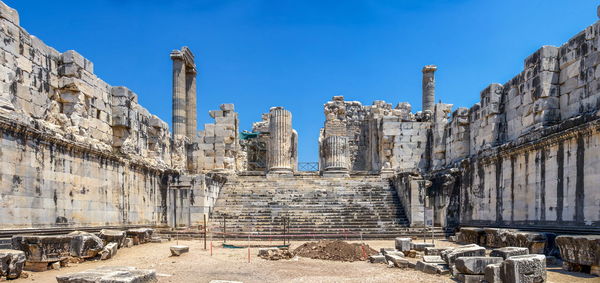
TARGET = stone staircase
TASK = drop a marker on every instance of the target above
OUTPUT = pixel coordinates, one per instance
(314, 207)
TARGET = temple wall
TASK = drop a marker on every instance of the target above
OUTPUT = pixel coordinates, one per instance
(45, 182)
(544, 184)
(75, 151)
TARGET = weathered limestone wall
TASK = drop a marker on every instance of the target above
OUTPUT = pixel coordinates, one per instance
(532, 157)
(47, 182)
(75, 150)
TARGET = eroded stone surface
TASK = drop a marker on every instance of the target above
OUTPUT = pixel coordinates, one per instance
(507, 252)
(584, 250)
(116, 236)
(450, 256)
(524, 269)
(110, 274)
(11, 263)
(179, 250)
(476, 264)
(85, 245)
(43, 248)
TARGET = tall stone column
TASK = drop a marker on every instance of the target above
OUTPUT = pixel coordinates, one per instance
(429, 87)
(279, 152)
(190, 111)
(335, 155)
(179, 94)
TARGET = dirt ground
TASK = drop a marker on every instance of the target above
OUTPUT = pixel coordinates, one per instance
(232, 264)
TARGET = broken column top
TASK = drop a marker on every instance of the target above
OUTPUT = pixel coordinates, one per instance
(429, 68)
(187, 56)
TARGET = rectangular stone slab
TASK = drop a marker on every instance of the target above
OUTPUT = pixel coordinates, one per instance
(43, 248)
(110, 274)
(583, 250)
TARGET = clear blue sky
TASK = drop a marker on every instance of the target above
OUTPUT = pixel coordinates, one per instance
(298, 54)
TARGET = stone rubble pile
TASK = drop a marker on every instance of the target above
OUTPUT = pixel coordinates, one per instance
(43, 252)
(275, 253)
(468, 263)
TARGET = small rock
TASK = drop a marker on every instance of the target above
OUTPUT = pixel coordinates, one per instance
(128, 243)
(55, 265)
(179, 250)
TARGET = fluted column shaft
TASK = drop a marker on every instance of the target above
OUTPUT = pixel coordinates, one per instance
(335, 151)
(279, 153)
(190, 111)
(179, 96)
(429, 87)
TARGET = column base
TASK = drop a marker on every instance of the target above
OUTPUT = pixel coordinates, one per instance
(280, 172)
(335, 173)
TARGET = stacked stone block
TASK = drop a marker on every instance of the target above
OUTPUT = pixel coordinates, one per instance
(216, 147)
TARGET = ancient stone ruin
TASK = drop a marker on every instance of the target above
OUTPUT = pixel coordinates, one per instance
(517, 170)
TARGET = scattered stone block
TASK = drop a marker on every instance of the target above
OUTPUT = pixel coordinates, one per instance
(11, 263)
(403, 244)
(433, 259)
(452, 238)
(179, 250)
(45, 249)
(432, 268)
(582, 250)
(377, 259)
(469, 250)
(128, 242)
(469, 278)
(420, 247)
(397, 260)
(507, 252)
(121, 274)
(109, 251)
(85, 245)
(475, 265)
(55, 265)
(524, 268)
(495, 237)
(158, 240)
(493, 273)
(140, 235)
(116, 236)
(472, 235)
(36, 266)
(434, 250)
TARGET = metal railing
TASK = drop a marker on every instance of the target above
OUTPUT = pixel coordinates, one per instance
(308, 166)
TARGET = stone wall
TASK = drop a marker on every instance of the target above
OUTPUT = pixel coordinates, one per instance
(216, 148)
(75, 150)
(532, 157)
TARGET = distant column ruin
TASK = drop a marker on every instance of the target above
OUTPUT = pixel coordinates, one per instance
(184, 93)
(429, 87)
(279, 153)
(335, 151)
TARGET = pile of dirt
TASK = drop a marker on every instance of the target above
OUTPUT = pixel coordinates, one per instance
(335, 250)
